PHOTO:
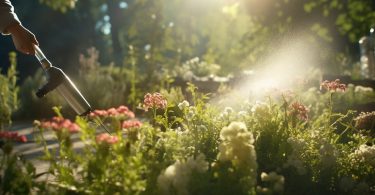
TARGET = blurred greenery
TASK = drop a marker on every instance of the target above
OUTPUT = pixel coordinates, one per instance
(144, 45)
(235, 34)
(9, 101)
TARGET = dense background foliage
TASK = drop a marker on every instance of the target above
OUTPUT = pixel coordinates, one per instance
(218, 117)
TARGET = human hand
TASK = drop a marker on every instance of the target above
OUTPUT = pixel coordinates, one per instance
(23, 39)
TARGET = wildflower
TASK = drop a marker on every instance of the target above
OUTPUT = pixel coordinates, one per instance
(362, 89)
(328, 153)
(228, 110)
(242, 114)
(131, 124)
(277, 181)
(261, 110)
(191, 113)
(237, 147)
(175, 178)
(332, 85)
(155, 100)
(364, 154)
(59, 123)
(184, 104)
(13, 136)
(121, 111)
(106, 138)
(365, 120)
(299, 110)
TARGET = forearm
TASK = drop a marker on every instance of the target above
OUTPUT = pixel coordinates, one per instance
(7, 16)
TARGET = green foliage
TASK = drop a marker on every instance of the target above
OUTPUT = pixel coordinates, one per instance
(353, 18)
(31, 105)
(61, 5)
(8, 92)
(292, 144)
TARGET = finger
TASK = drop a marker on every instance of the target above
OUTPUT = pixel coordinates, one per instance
(33, 40)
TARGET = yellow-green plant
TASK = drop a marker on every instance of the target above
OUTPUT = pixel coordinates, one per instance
(8, 92)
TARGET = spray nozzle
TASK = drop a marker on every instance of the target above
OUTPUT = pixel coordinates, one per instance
(55, 78)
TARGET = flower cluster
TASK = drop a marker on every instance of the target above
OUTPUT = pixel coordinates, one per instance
(298, 145)
(364, 154)
(59, 123)
(362, 89)
(177, 176)
(12, 136)
(184, 104)
(328, 153)
(274, 180)
(155, 100)
(299, 110)
(237, 146)
(131, 124)
(113, 112)
(365, 120)
(106, 138)
(332, 85)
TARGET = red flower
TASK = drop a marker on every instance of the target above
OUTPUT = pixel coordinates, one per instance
(299, 110)
(332, 85)
(13, 136)
(22, 138)
(155, 100)
(131, 124)
(106, 138)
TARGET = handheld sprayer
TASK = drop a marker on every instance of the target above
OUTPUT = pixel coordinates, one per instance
(57, 79)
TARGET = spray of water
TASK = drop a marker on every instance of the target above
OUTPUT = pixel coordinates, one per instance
(293, 59)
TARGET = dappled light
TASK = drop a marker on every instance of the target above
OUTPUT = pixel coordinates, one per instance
(173, 97)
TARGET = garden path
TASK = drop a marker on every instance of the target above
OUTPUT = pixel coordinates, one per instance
(32, 151)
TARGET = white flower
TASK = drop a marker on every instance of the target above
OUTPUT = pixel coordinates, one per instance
(277, 181)
(228, 110)
(362, 89)
(258, 106)
(242, 114)
(328, 153)
(177, 176)
(191, 113)
(237, 147)
(184, 104)
(364, 154)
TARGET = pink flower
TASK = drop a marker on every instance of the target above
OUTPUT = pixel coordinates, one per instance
(106, 138)
(155, 100)
(131, 124)
(112, 112)
(12, 136)
(121, 111)
(332, 85)
(299, 110)
(59, 123)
